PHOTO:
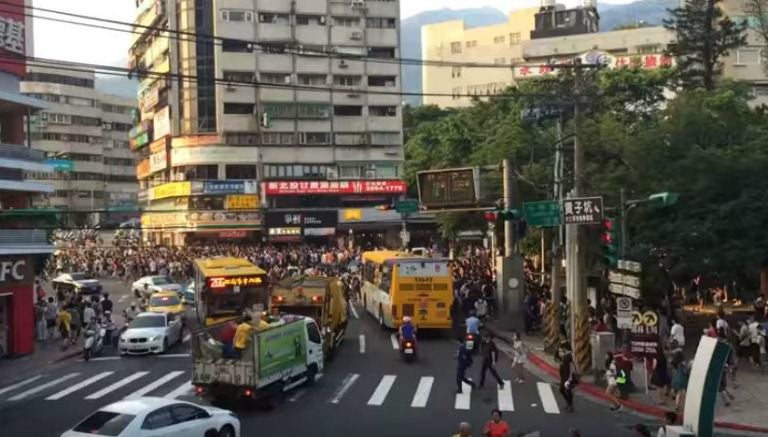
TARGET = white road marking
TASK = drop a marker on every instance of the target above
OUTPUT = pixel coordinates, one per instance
(381, 392)
(181, 390)
(362, 343)
(463, 399)
(78, 386)
(547, 397)
(123, 298)
(345, 385)
(148, 388)
(186, 338)
(174, 356)
(296, 395)
(422, 392)
(505, 397)
(395, 343)
(117, 385)
(104, 359)
(20, 384)
(42, 387)
(353, 310)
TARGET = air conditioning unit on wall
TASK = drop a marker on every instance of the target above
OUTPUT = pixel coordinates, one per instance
(332, 174)
(370, 174)
(356, 35)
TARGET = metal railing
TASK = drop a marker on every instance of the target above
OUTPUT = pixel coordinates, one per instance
(23, 237)
(15, 151)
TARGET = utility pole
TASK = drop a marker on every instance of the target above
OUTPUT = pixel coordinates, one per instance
(553, 311)
(623, 224)
(508, 224)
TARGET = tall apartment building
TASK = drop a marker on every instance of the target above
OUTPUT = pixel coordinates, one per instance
(318, 143)
(84, 134)
(553, 33)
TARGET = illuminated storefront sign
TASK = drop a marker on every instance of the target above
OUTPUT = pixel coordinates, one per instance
(162, 122)
(198, 219)
(299, 188)
(173, 189)
(142, 169)
(238, 281)
(242, 201)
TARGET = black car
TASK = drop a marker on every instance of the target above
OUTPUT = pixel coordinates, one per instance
(77, 282)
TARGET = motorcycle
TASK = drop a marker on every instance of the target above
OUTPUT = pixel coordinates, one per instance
(408, 349)
(94, 341)
(469, 342)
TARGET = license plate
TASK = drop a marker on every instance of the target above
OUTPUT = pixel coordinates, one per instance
(470, 344)
(408, 351)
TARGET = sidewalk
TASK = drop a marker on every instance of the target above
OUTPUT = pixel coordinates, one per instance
(746, 413)
(46, 353)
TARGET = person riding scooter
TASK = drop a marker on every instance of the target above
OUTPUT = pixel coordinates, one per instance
(407, 331)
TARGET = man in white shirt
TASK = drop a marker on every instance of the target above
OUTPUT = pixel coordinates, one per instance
(677, 333)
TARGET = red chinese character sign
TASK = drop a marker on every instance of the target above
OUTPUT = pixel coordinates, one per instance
(300, 188)
(13, 38)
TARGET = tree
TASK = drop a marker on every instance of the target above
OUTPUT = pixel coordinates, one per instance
(704, 36)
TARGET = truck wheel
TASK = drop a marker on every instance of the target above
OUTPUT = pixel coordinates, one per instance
(331, 347)
(311, 375)
(381, 318)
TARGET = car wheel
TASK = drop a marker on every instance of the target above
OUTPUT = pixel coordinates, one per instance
(311, 375)
(136, 293)
(227, 431)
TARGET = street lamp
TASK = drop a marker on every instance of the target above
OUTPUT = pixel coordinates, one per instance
(666, 198)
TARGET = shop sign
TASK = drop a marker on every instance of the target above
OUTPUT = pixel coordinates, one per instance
(158, 145)
(139, 129)
(239, 281)
(302, 219)
(149, 99)
(162, 122)
(14, 270)
(644, 339)
(142, 169)
(646, 62)
(158, 161)
(140, 141)
(233, 234)
(196, 140)
(215, 154)
(173, 189)
(335, 187)
(242, 201)
(12, 38)
(320, 219)
(230, 187)
(201, 218)
(284, 232)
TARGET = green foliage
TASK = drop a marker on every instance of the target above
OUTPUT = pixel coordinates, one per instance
(704, 36)
(633, 25)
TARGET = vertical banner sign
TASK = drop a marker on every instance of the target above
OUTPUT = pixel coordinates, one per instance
(704, 386)
(645, 333)
(13, 42)
(583, 211)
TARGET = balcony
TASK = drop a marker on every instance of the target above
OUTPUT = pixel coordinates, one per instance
(24, 241)
(24, 158)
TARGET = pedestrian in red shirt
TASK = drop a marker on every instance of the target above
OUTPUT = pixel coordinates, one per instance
(496, 427)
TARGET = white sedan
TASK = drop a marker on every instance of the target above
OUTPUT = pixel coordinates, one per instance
(152, 284)
(151, 333)
(150, 417)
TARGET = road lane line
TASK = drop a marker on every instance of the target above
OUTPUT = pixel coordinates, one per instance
(42, 387)
(174, 356)
(505, 397)
(181, 390)
(547, 397)
(20, 384)
(186, 338)
(381, 392)
(296, 395)
(345, 385)
(78, 386)
(117, 385)
(148, 388)
(362, 343)
(354, 311)
(395, 343)
(463, 399)
(103, 359)
(422, 392)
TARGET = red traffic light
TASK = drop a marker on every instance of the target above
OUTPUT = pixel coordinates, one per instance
(607, 238)
(608, 225)
(491, 216)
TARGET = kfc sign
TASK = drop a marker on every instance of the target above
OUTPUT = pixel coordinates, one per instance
(301, 188)
(12, 37)
(14, 270)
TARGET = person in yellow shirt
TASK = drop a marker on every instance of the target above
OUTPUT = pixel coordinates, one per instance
(243, 335)
(63, 321)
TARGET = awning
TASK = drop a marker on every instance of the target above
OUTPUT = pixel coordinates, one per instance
(15, 102)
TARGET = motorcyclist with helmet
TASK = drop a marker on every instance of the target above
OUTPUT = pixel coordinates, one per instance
(407, 330)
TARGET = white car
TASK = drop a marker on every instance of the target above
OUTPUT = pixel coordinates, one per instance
(77, 282)
(151, 333)
(152, 284)
(151, 417)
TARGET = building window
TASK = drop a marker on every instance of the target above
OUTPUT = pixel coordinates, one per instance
(275, 78)
(456, 47)
(471, 44)
(310, 20)
(274, 19)
(59, 79)
(382, 111)
(500, 61)
(277, 49)
(315, 138)
(456, 93)
(236, 46)
(385, 81)
(747, 56)
(455, 72)
(238, 171)
(242, 138)
(499, 39)
(238, 108)
(351, 139)
(348, 110)
(385, 138)
(236, 15)
(381, 52)
(238, 76)
(350, 172)
(199, 172)
(346, 21)
(514, 39)
(288, 171)
(648, 49)
(270, 138)
(313, 79)
(313, 110)
(347, 80)
(280, 110)
(381, 22)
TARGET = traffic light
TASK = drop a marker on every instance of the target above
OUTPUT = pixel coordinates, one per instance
(507, 214)
(611, 241)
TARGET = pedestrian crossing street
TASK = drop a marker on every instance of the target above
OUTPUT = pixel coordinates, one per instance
(353, 389)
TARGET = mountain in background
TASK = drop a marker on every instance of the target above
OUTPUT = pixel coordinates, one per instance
(121, 86)
(410, 38)
(651, 12)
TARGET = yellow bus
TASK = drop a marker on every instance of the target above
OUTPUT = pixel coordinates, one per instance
(398, 284)
(226, 287)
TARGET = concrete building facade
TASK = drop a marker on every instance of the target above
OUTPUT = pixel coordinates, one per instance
(322, 130)
(84, 134)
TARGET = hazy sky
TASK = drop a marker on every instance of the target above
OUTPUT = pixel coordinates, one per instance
(81, 44)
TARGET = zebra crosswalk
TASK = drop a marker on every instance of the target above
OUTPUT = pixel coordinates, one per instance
(409, 391)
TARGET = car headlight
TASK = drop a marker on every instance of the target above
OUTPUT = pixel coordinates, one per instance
(157, 338)
(123, 340)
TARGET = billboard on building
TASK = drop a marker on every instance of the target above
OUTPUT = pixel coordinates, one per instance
(13, 40)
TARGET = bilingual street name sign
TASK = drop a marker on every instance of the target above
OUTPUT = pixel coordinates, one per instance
(583, 210)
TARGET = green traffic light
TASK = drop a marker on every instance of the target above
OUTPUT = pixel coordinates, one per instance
(664, 199)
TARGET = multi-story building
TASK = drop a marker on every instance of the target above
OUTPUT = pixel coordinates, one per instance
(84, 133)
(322, 132)
(23, 248)
(553, 33)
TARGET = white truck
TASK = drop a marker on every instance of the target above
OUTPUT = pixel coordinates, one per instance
(276, 360)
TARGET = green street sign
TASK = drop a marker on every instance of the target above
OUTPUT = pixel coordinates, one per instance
(62, 165)
(545, 214)
(410, 206)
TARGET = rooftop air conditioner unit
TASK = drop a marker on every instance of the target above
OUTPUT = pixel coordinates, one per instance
(332, 174)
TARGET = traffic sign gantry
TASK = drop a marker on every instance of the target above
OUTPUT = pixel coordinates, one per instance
(542, 214)
(409, 206)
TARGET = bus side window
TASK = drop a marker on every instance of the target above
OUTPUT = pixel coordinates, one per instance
(368, 271)
(385, 278)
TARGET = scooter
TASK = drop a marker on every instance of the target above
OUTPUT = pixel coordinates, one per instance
(469, 342)
(94, 341)
(408, 349)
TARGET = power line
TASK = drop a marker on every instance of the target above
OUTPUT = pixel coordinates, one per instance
(125, 72)
(195, 35)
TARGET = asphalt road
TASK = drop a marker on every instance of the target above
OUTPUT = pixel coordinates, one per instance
(367, 389)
